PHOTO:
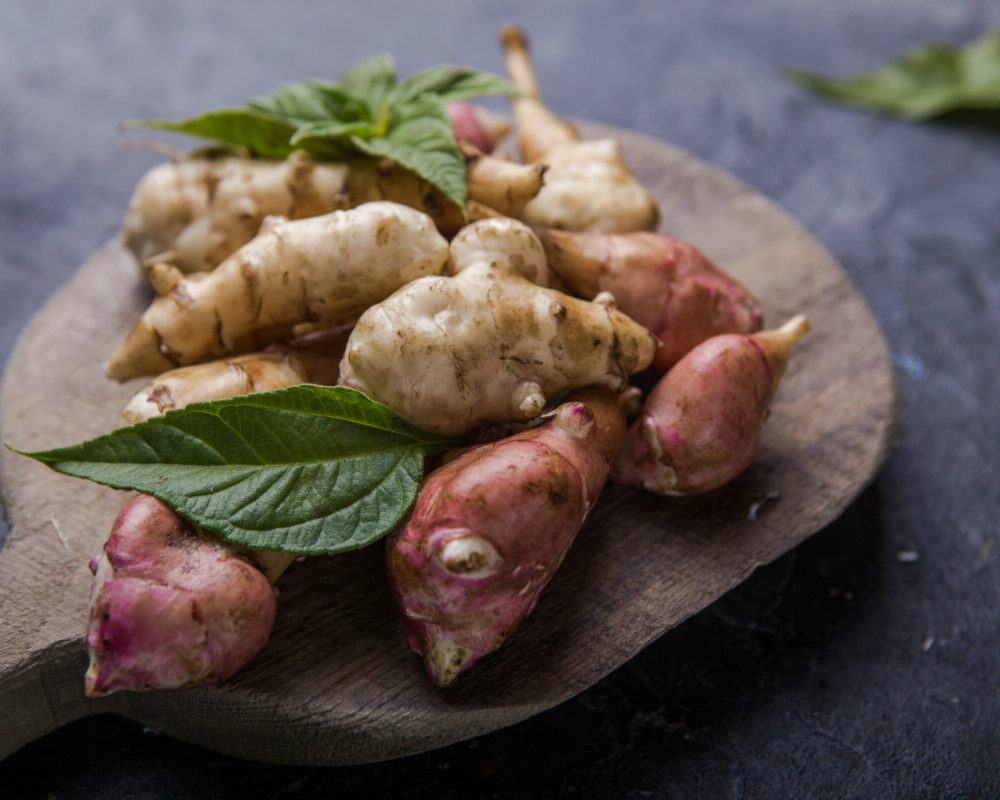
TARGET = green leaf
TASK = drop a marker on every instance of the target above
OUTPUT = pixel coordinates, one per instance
(366, 113)
(311, 101)
(454, 83)
(265, 136)
(372, 80)
(925, 81)
(421, 139)
(334, 129)
(309, 469)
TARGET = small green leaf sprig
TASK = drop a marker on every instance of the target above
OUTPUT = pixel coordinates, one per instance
(924, 82)
(307, 469)
(366, 113)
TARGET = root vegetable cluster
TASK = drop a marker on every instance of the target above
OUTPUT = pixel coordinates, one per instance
(518, 324)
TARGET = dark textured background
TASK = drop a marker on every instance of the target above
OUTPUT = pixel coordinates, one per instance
(864, 663)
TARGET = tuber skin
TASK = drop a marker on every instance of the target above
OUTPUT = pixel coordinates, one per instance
(323, 270)
(170, 607)
(700, 425)
(192, 213)
(504, 186)
(487, 345)
(661, 282)
(588, 185)
(490, 528)
(309, 359)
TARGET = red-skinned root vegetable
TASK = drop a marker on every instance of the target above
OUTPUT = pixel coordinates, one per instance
(487, 345)
(661, 282)
(700, 425)
(489, 529)
(324, 270)
(476, 125)
(170, 607)
(588, 185)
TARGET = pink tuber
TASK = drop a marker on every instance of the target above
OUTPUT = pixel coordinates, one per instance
(171, 608)
(662, 283)
(476, 125)
(700, 426)
(490, 528)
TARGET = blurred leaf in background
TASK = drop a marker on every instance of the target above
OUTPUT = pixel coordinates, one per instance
(924, 82)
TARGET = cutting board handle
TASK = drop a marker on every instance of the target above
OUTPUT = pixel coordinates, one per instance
(42, 654)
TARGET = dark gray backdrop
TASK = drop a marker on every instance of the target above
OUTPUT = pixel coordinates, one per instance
(864, 663)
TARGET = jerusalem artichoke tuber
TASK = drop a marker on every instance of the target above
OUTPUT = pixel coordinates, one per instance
(588, 185)
(476, 125)
(170, 607)
(701, 424)
(490, 528)
(487, 345)
(661, 282)
(193, 213)
(325, 270)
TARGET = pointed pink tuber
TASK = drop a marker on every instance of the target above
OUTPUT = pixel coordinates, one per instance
(701, 424)
(490, 528)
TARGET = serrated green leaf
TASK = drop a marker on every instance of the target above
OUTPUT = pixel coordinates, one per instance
(371, 80)
(333, 129)
(308, 469)
(311, 101)
(449, 83)
(923, 82)
(366, 113)
(421, 139)
(265, 136)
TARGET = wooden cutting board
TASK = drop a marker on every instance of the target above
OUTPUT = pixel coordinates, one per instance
(336, 684)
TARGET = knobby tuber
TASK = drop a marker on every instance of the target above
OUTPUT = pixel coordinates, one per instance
(588, 185)
(700, 425)
(324, 270)
(476, 125)
(490, 528)
(661, 282)
(487, 345)
(310, 359)
(172, 606)
(194, 212)
(504, 186)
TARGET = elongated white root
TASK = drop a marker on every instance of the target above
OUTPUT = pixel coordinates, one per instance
(488, 345)
(324, 270)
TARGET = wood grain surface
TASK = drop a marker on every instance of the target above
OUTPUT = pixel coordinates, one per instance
(336, 684)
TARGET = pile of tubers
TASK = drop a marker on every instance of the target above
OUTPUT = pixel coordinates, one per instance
(518, 322)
